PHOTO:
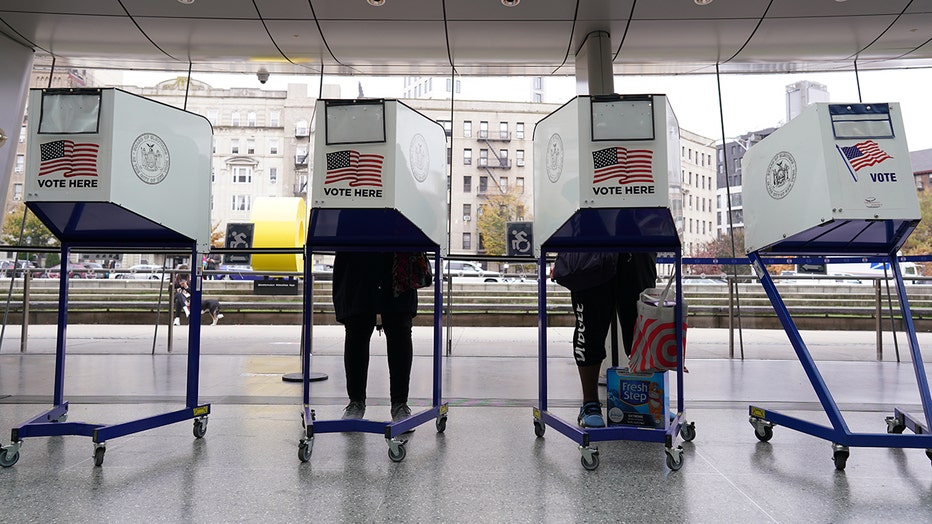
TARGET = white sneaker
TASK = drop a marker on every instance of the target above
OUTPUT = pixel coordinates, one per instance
(177, 321)
(219, 316)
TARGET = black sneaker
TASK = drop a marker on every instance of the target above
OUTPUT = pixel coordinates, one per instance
(356, 409)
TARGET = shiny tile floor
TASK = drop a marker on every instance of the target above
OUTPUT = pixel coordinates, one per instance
(487, 466)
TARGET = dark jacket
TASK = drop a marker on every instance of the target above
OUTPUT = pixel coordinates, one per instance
(362, 284)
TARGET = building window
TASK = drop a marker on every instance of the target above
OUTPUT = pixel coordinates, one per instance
(467, 184)
(519, 212)
(300, 128)
(538, 82)
(519, 183)
(519, 157)
(449, 84)
(519, 130)
(235, 119)
(483, 130)
(300, 156)
(273, 146)
(467, 157)
(20, 164)
(251, 119)
(242, 174)
(17, 192)
(449, 155)
(22, 134)
(467, 212)
(467, 241)
(538, 98)
(483, 157)
(503, 183)
(447, 126)
(241, 203)
(483, 184)
(273, 175)
(234, 146)
(250, 146)
(212, 116)
(481, 243)
(467, 128)
(503, 129)
(275, 119)
(503, 157)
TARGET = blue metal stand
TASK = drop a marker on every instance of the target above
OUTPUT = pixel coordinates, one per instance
(368, 230)
(629, 230)
(841, 437)
(53, 421)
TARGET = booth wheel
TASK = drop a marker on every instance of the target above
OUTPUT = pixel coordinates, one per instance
(675, 458)
(539, 428)
(8, 457)
(305, 448)
(396, 450)
(200, 427)
(441, 424)
(99, 451)
(895, 425)
(589, 458)
(840, 456)
(763, 430)
(688, 431)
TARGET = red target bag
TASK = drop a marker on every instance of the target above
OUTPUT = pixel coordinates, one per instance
(655, 332)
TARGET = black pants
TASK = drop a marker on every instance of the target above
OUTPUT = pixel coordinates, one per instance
(397, 329)
(596, 307)
(181, 300)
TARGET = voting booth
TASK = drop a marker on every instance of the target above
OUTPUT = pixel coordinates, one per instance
(109, 169)
(379, 185)
(835, 181)
(607, 178)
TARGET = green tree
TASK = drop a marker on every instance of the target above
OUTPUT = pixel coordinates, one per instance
(34, 233)
(920, 241)
(499, 209)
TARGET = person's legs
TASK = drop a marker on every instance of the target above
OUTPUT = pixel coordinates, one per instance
(400, 350)
(356, 361)
(593, 309)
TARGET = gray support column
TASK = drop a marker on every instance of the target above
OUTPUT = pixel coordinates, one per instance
(594, 74)
(15, 67)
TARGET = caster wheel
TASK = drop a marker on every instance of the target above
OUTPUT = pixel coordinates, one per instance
(840, 458)
(397, 453)
(590, 461)
(688, 431)
(763, 434)
(539, 428)
(894, 425)
(99, 455)
(200, 428)
(675, 461)
(305, 447)
(8, 458)
(62, 418)
(441, 424)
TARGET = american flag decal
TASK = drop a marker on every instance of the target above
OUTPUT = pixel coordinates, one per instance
(353, 167)
(68, 158)
(864, 154)
(628, 166)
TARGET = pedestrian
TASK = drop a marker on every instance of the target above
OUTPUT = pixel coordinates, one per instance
(181, 294)
(603, 287)
(364, 299)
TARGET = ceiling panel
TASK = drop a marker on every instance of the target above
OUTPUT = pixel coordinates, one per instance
(411, 36)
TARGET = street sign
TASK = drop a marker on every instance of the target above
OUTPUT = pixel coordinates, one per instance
(811, 269)
(519, 239)
(239, 236)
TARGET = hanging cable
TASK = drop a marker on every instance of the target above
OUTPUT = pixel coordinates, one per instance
(731, 231)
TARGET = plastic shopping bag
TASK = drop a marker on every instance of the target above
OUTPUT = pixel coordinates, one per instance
(655, 332)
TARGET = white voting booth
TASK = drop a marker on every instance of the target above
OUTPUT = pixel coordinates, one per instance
(830, 179)
(607, 178)
(109, 169)
(379, 185)
(835, 181)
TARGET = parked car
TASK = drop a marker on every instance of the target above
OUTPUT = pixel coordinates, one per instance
(141, 272)
(465, 272)
(74, 271)
(6, 265)
(323, 272)
(237, 272)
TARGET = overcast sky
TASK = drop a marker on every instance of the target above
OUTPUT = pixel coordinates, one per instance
(751, 102)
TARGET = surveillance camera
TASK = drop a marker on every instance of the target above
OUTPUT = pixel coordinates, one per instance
(263, 75)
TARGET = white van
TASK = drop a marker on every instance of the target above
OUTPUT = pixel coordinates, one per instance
(465, 272)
